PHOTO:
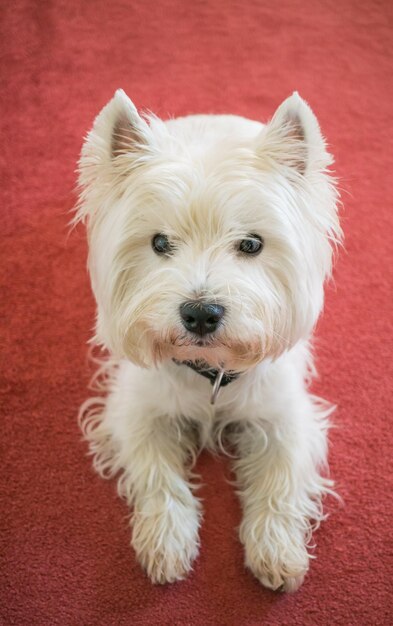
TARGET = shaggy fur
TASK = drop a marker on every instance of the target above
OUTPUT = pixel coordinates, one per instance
(207, 183)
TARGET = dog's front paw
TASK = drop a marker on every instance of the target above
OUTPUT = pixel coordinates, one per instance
(166, 541)
(275, 552)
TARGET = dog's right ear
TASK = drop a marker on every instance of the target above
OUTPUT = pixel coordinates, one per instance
(119, 140)
(119, 127)
(129, 131)
(118, 137)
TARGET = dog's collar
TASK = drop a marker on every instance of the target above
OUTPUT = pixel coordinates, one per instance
(218, 378)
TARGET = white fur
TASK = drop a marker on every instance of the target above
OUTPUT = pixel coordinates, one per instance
(207, 182)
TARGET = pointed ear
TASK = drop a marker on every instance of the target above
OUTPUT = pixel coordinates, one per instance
(118, 139)
(130, 132)
(293, 138)
(117, 130)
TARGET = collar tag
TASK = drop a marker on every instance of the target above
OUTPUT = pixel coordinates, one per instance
(218, 378)
(216, 386)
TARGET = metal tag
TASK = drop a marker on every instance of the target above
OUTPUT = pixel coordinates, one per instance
(216, 387)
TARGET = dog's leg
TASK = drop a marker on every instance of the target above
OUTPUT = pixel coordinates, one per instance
(151, 455)
(281, 487)
(166, 514)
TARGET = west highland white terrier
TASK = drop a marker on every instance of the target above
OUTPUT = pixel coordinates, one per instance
(210, 239)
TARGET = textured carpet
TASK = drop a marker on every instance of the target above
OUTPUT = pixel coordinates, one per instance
(65, 555)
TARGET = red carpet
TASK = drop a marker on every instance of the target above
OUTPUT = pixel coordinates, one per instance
(65, 555)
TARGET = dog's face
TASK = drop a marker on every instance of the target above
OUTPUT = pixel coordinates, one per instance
(210, 238)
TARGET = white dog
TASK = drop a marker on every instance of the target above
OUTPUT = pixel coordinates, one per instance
(210, 240)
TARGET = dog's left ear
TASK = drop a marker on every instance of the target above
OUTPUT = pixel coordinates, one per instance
(293, 138)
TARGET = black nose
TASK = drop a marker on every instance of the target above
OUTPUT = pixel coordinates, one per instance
(201, 318)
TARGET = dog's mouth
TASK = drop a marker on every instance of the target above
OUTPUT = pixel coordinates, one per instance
(217, 352)
(187, 340)
(204, 343)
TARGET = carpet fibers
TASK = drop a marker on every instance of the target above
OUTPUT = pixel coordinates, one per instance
(65, 555)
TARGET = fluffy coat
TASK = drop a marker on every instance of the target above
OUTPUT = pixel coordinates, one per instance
(208, 183)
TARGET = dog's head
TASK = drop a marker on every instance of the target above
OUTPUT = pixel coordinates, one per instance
(210, 237)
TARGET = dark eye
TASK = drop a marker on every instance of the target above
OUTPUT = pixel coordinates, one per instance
(161, 244)
(252, 245)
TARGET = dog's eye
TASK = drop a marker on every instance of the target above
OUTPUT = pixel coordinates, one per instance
(161, 244)
(252, 245)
